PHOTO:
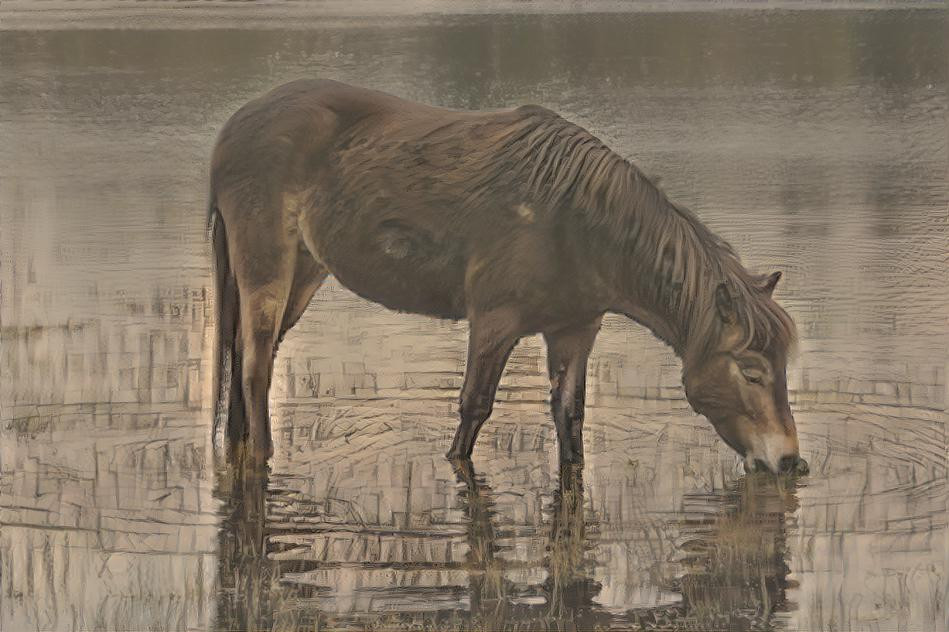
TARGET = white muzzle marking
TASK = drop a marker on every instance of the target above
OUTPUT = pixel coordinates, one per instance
(768, 449)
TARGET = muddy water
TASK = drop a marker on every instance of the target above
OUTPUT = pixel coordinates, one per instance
(814, 141)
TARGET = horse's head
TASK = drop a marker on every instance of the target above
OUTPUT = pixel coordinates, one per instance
(738, 381)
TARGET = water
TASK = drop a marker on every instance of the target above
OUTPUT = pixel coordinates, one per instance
(815, 141)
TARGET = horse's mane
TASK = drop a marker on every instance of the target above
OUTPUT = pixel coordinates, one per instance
(682, 263)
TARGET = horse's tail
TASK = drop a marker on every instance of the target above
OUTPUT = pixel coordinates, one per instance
(228, 401)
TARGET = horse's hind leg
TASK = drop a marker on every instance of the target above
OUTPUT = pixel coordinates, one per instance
(268, 311)
(263, 258)
(262, 309)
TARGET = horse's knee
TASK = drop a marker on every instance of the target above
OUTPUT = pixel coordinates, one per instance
(569, 416)
(567, 402)
(474, 410)
(568, 420)
(569, 426)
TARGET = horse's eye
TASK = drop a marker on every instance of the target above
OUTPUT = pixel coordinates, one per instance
(752, 376)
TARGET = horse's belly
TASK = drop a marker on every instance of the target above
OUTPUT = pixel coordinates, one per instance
(399, 266)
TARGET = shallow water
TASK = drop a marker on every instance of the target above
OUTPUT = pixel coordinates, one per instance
(815, 141)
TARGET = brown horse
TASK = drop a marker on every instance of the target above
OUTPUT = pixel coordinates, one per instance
(517, 220)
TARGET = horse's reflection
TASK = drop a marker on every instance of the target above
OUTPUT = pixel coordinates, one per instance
(568, 590)
(487, 591)
(569, 587)
(245, 574)
(735, 570)
(732, 571)
(737, 574)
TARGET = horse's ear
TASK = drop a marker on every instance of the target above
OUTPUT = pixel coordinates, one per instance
(770, 281)
(725, 304)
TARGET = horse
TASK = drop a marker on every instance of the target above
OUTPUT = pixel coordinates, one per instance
(517, 220)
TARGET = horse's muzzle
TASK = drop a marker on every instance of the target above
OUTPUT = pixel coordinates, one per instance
(791, 465)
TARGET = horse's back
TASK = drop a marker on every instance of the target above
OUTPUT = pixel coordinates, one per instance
(286, 133)
(411, 206)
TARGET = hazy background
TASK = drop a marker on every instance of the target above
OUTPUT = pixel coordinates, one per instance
(814, 140)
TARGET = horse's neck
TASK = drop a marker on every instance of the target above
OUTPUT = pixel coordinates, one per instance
(661, 262)
(654, 320)
(643, 288)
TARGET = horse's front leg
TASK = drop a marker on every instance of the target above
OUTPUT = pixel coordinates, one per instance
(567, 353)
(492, 337)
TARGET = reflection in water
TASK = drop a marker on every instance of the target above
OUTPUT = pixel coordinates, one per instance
(245, 573)
(565, 598)
(736, 556)
(487, 589)
(569, 587)
(731, 553)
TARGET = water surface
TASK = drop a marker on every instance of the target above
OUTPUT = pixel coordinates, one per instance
(815, 141)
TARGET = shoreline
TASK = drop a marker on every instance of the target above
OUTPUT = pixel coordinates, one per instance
(301, 15)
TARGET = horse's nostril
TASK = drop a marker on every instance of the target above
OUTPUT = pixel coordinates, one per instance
(791, 464)
(787, 464)
(760, 466)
